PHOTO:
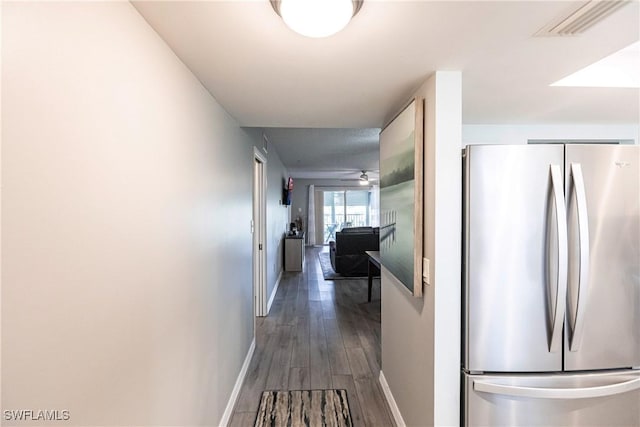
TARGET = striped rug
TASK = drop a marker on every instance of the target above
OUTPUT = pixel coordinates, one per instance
(299, 408)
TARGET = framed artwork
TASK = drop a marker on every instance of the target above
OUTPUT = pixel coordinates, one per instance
(401, 182)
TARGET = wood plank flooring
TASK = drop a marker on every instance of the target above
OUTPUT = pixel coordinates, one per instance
(319, 334)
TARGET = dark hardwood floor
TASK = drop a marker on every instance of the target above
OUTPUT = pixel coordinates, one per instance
(319, 334)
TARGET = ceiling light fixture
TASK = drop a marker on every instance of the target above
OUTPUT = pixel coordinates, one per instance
(364, 178)
(316, 18)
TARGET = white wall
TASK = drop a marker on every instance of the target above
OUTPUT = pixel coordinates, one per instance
(421, 336)
(126, 203)
(520, 134)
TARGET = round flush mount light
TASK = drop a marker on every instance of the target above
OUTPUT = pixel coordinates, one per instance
(316, 18)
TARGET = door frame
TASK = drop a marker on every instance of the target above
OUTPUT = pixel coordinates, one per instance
(259, 226)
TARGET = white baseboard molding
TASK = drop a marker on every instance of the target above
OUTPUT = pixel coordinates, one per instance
(273, 293)
(235, 393)
(395, 411)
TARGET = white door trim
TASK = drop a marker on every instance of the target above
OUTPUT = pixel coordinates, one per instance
(259, 232)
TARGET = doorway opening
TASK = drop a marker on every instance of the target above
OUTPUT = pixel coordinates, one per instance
(259, 233)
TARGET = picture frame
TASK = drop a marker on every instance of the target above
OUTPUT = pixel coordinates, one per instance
(401, 196)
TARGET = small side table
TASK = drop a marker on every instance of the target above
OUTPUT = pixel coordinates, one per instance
(374, 262)
(294, 252)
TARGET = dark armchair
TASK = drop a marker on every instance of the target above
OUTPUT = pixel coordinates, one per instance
(347, 252)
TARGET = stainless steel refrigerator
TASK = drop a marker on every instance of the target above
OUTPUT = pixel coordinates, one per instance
(551, 294)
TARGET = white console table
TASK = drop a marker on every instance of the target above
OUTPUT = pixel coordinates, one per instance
(294, 252)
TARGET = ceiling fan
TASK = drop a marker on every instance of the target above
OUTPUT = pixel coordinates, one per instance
(363, 179)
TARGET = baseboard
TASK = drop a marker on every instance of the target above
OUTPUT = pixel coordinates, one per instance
(273, 293)
(395, 411)
(235, 393)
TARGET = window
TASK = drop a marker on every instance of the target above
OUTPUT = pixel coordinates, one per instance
(344, 208)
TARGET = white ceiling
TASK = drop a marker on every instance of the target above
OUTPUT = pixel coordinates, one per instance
(267, 76)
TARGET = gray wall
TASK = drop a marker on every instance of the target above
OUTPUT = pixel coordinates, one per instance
(126, 203)
(277, 219)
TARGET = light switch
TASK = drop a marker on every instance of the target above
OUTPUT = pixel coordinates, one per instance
(426, 271)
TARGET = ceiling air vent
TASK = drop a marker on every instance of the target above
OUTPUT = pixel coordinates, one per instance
(580, 20)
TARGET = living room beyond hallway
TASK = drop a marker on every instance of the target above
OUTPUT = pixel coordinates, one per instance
(319, 334)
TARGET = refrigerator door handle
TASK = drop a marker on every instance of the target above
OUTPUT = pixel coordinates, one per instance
(583, 243)
(556, 393)
(555, 344)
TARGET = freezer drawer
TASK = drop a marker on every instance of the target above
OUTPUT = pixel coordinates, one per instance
(602, 399)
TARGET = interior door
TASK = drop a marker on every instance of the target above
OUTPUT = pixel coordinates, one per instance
(514, 261)
(603, 206)
(258, 228)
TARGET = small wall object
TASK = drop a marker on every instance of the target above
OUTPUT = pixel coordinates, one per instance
(287, 192)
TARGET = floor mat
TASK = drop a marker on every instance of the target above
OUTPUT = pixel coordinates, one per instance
(327, 270)
(304, 408)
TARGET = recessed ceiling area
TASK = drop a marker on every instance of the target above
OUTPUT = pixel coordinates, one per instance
(309, 94)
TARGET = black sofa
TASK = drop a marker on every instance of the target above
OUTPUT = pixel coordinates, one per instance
(347, 252)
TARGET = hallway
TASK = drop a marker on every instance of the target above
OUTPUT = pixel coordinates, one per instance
(319, 334)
